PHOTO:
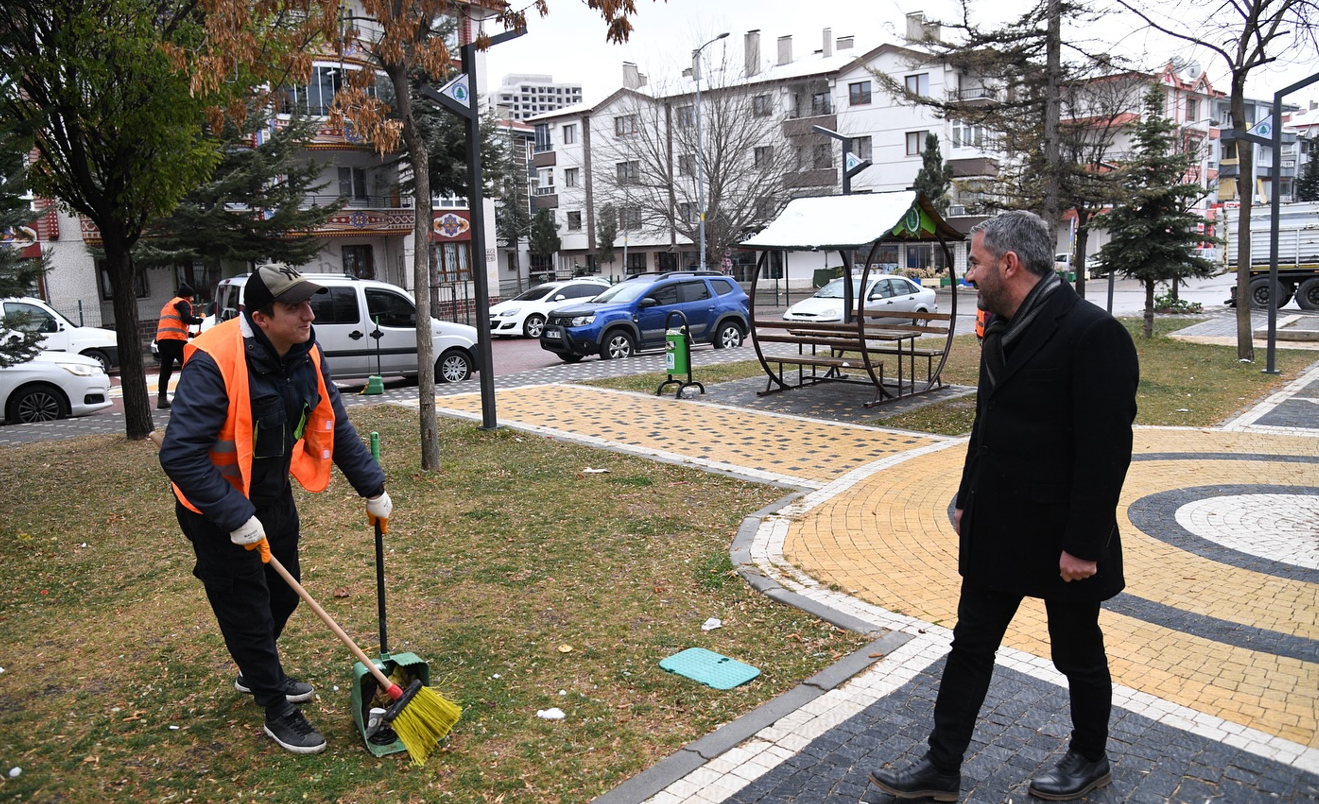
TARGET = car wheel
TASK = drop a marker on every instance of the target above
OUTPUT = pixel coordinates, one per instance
(617, 343)
(567, 358)
(1307, 295)
(37, 403)
(729, 336)
(100, 357)
(454, 365)
(1259, 293)
(916, 322)
(534, 325)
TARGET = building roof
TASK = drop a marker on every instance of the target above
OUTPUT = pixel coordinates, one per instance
(846, 221)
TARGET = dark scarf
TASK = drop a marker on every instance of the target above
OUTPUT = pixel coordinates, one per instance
(1002, 333)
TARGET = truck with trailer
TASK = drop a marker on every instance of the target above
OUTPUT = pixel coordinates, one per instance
(1298, 253)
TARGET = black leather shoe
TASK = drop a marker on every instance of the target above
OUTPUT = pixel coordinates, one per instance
(1072, 777)
(921, 780)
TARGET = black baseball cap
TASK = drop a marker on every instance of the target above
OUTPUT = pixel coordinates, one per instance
(277, 282)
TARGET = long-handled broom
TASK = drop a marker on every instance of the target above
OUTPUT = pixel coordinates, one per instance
(419, 715)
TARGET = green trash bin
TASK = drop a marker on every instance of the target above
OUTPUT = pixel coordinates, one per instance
(677, 352)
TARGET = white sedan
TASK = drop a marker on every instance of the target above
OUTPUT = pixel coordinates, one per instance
(525, 313)
(885, 292)
(53, 385)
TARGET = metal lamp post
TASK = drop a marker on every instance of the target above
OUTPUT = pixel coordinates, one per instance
(700, 142)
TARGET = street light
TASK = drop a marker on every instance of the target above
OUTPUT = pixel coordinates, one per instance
(700, 143)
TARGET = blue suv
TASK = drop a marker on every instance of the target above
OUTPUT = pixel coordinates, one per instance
(634, 315)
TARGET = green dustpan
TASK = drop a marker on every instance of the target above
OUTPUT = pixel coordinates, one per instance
(402, 668)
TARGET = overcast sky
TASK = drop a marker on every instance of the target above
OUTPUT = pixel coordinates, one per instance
(569, 44)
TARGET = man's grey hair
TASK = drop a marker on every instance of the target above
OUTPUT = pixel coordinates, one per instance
(1022, 232)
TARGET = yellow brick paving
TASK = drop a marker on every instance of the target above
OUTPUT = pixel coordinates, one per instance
(886, 538)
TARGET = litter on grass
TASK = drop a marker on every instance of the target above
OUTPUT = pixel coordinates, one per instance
(710, 668)
(589, 471)
(711, 624)
(553, 713)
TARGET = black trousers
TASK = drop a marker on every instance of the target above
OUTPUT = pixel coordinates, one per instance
(251, 602)
(1077, 646)
(171, 352)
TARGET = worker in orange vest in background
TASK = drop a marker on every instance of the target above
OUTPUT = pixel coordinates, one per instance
(171, 334)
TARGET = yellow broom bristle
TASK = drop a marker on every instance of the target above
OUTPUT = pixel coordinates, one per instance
(424, 722)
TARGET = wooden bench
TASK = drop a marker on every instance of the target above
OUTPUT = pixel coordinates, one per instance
(922, 324)
(833, 346)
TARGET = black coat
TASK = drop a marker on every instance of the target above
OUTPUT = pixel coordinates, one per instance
(1048, 454)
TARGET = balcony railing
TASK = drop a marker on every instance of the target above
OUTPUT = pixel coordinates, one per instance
(977, 93)
(546, 190)
(360, 202)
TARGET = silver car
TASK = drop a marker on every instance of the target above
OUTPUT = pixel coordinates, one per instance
(886, 292)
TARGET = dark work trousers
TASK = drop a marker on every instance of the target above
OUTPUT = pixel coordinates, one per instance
(171, 352)
(251, 602)
(1077, 646)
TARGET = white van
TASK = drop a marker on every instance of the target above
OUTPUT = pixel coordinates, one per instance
(62, 335)
(346, 328)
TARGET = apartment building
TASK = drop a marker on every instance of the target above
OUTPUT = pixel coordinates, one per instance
(759, 121)
(522, 96)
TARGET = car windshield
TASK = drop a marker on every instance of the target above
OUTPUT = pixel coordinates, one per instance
(834, 290)
(623, 292)
(538, 292)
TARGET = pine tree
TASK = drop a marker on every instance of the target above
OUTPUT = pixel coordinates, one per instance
(1307, 185)
(1153, 229)
(545, 240)
(606, 232)
(250, 210)
(935, 177)
(17, 273)
(512, 218)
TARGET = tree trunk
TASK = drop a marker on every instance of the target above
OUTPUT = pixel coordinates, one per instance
(1246, 193)
(1149, 309)
(1052, 113)
(1078, 249)
(421, 267)
(138, 423)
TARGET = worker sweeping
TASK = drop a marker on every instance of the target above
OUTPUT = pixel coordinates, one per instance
(254, 404)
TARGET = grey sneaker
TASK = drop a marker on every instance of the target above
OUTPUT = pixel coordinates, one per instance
(295, 691)
(293, 733)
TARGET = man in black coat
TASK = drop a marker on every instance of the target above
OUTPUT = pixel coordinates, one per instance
(1036, 508)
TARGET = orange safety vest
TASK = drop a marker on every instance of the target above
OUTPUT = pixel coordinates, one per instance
(171, 326)
(232, 451)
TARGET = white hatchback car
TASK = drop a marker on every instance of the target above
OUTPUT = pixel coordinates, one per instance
(53, 385)
(525, 313)
(884, 292)
(347, 330)
(59, 334)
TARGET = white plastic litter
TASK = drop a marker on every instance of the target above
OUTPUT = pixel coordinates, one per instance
(15, 772)
(173, 728)
(711, 624)
(554, 713)
(589, 471)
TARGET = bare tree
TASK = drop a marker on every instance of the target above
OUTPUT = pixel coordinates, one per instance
(1246, 35)
(649, 170)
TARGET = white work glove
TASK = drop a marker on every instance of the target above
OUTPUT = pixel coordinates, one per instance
(252, 536)
(378, 510)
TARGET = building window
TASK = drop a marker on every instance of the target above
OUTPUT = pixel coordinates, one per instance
(860, 146)
(966, 135)
(762, 106)
(858, 94)
(453, 261)
(686, 165)
(359, 262)
(570, 134)
(629, 172)
(919, 84)
(352, 185)
(686, 116)
(1192, 110)
(316, 96)
(687, 212)
(821, 104)
(543, 138)
(764, 155)
(570, 176)
(636, 262)
(625, 125)
(822, 157)
(574, 221)
(629, 218)
(916, 142)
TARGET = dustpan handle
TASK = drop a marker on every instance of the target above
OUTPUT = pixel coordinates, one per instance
(380, 559)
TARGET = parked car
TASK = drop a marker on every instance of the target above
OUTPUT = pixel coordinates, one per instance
(53, 385)
(883, 292)
(346, 328)
(525, 313)
(634, 315)
(62, 335)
